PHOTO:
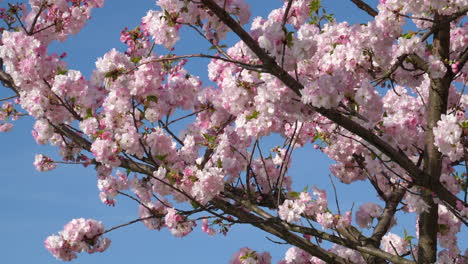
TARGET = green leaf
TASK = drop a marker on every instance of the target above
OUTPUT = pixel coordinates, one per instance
(219, 163)
(464, 124)
(443, 228)
(193, 178)
(209, 138)
(195, 205)
(336, 44)
(314, 20)
(294, 194)
(114, 74)
(253, 115)
(289, 39)
(406, 236)
(305, 188)
(171, 18)
(89, 113)
(408, 35)
(330, 17)
(314, 6)
(161, 157)
(61, 71)
(317, 136)
(152, 98)
(250, 254)
(136, 60)
(220, 46)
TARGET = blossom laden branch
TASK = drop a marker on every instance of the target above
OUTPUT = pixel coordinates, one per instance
(270, 64)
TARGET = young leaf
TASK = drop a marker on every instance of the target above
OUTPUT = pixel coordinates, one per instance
(253, 115)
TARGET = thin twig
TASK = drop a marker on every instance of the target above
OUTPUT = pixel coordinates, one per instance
(8, 98)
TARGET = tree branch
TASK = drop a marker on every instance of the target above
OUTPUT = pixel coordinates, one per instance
(6, 79)
(278, 231)
(365, 7)
(358, 243)
(385, 220)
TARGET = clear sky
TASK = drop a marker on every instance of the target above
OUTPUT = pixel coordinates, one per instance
(34, 205)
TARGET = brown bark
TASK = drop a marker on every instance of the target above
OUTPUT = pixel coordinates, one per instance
(437, 105)
(365, 7)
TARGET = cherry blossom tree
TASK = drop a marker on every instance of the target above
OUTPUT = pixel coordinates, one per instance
(387, 104)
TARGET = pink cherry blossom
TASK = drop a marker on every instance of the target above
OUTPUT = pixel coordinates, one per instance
(178, 224)
(5, 127)
(77, 236)
(392, 243)
(447, 136)
(366, 213)
(44, 163)
(247, 256)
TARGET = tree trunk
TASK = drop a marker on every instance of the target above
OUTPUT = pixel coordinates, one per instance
(437, 105)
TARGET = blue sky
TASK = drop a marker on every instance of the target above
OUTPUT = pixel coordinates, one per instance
(34, 205)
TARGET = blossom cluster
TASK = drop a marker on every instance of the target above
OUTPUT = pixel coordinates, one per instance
(79, 235)
(248, 256)
(44, 163)
(7, 111)
(293, 210)
(448, 135)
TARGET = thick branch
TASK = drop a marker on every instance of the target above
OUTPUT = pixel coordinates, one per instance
(385, 220)
(365, 7)
(279, 231)
(350, 237)
(463, 59)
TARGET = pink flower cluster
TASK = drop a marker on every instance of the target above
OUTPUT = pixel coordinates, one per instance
(178, 224)
(78, 235)
(153, 213)
(366, 214)
(295, 255)
(447, 136)
(293, 210)
(449, 227)
(206, 228)
(44, 163)
(164, 25)
(7, 111)
(394, 244)
(5, 127)
(110, 186)
(248, 256)
(70, 16)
